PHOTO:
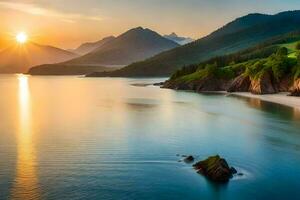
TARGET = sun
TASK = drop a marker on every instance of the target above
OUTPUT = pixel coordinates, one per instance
(21, 37)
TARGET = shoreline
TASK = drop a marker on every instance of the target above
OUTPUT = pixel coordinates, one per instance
(279, 98)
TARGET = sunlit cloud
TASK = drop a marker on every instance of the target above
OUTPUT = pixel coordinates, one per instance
(34, 9)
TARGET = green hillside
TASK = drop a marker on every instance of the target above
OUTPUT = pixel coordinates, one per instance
(267, 68)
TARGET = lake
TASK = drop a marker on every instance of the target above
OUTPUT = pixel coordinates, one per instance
(105, 138)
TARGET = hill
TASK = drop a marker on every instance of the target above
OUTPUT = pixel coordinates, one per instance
(91, 46)
(19, 58)
(240, 34)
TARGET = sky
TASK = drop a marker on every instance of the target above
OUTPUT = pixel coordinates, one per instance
(68, 23)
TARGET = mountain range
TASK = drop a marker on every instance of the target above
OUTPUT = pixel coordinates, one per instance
(20, 58)
(134, 45)
(237, 35)
(180, 40)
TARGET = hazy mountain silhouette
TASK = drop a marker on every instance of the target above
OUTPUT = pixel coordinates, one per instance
(180, 40)
(19, 58)
(91, 46)
(240, 34)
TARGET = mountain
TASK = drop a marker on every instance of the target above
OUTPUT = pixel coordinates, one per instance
(134, 45)
(180, 40)
(19, 58)
(91, 46)
(240, 34)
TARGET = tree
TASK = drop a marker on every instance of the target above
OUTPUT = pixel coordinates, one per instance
(298, 46)
(211, 69)
(283, 51)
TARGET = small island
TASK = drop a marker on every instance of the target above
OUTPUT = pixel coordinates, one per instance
(216, 169)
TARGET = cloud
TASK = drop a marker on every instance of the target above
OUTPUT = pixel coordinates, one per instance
(34, 9)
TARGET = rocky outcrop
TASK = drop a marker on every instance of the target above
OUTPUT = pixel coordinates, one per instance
(211, 84)
(284, 84)
(240, 84)
(215, 168)
(263, 85)
(295, 90)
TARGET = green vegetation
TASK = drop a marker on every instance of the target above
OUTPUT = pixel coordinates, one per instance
(296, 68)
(281, 53)
(298, 46)
(279, 63)
(210, 70)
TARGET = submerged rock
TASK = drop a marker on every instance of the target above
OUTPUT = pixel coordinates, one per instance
(215, 168)
(240, 84)
(263, 85)
(295, 90)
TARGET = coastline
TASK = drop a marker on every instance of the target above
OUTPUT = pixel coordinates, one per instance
(280, 98)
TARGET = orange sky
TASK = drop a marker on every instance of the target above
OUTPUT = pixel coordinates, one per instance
(68, 23)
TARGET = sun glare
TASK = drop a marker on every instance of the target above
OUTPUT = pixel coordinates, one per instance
(21, 37)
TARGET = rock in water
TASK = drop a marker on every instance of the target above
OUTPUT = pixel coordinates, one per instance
(233, 170)
(295, 90)
(215, 168)
(189, 159)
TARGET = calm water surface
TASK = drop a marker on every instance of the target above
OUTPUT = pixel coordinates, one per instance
(79, 138)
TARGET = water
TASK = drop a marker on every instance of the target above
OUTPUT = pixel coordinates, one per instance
(80, 138)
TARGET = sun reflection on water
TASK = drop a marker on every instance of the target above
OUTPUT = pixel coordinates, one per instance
(25, 182)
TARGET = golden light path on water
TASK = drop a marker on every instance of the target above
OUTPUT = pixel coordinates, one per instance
(25, 182)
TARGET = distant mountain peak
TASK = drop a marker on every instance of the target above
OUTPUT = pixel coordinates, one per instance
(180, 40)
(139, 30)
(173, 35)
